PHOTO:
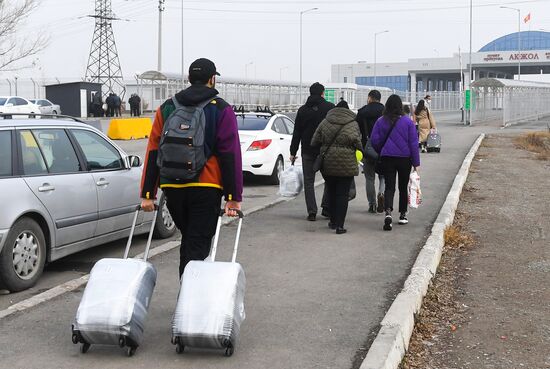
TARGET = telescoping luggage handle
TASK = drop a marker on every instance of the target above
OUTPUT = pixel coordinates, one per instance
(146, 253)
(217, 235)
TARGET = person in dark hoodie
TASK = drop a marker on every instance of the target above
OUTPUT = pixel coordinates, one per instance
(367, 117)
(195, 205)
(308, 118)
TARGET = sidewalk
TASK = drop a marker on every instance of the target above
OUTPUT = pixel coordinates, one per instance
(490, 302)
(314, 299)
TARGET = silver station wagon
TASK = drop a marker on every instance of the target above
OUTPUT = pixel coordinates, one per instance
(64, 187)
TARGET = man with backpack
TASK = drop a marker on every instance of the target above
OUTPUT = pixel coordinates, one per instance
(307, 120)
(194, 156)
(366, 118)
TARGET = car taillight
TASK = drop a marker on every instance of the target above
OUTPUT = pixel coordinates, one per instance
(259, 145)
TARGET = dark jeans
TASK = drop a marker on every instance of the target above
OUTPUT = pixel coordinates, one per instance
(401, 167)
(195, 212)
(134, 111)
(337, 195)
(309, 182)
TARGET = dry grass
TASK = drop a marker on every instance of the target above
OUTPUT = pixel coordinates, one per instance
(456, 238)
(537, 142)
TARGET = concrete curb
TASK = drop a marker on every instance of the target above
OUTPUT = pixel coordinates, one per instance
(392, 341)
(76, 283)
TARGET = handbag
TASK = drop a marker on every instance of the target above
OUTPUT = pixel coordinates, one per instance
(378, 165)
(319, 160)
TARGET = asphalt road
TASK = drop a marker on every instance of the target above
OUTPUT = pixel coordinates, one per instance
(314, 299)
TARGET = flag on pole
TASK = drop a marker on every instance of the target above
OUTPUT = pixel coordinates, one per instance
(527, 18)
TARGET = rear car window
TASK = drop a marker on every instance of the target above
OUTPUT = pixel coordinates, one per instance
(5, 154)
(58, 150)
(2, 100)
(33, 161)
(252, 123)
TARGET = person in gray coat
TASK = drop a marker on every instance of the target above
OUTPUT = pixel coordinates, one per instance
(339, 137)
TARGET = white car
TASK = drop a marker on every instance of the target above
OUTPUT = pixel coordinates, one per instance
(16, 104)
(46, 106)
(265, 143)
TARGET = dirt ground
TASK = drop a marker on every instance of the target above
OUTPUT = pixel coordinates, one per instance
(489, 304)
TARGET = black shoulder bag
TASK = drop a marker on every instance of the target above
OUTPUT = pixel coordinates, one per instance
(318, 163)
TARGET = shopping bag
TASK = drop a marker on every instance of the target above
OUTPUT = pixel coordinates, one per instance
(415, 194)
(291, 182)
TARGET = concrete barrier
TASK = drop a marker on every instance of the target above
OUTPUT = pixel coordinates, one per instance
(129, 128)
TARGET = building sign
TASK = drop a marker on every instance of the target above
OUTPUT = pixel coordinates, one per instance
(524, 56)
(330, 95)
(493, 57)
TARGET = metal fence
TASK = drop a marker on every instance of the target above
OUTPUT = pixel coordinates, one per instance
(441, 100)
(509, 101)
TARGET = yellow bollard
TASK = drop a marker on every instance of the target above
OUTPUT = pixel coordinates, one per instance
(129, 128)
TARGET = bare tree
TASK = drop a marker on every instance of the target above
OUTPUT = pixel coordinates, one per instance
(14, 48)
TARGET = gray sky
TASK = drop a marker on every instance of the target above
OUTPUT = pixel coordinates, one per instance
(266, 32)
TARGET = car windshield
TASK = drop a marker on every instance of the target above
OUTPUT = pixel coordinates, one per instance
(252, 122)
(3, 100)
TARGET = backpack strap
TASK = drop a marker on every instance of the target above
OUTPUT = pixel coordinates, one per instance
(177, 104)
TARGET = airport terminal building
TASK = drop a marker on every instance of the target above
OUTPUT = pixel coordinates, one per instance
(500, 58)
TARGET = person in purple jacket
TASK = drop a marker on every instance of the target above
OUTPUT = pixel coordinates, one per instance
(394, 137)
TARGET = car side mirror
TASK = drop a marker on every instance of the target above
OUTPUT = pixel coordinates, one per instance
(134, 160)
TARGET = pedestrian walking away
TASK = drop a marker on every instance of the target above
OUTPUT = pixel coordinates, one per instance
(338, 137)
(426, 123)
(367, 117)
(394, 137)
(110, 105)
(117, 105)
(194, 177)
(308, 118)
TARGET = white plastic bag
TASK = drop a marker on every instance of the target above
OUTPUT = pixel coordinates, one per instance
(415, 194)
(292, 181)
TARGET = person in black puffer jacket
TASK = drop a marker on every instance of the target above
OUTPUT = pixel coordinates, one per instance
(308, 118)
(367, 117)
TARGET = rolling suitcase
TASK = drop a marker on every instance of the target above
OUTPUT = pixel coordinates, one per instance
(116, 299)
(210, 306)
(433, 144)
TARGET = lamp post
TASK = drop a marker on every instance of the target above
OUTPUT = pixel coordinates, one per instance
(161, 10)
(375, 36)
(182, 60)
(469, 115)
(246, 69)
(519, 37)
(281, 72)
(301, 16)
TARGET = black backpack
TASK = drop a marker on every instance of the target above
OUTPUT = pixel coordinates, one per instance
(181, 153)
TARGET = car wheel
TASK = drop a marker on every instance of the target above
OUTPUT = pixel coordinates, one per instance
(23, 256)
(277, 171)
(164, 226)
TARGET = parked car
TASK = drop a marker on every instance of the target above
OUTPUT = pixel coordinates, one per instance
(265, 143)
(16, 104)
(64, 187)
(46, 106)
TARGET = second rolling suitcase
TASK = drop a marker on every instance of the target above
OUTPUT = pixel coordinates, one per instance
(114, 306)
(433, 144)
(210, 306)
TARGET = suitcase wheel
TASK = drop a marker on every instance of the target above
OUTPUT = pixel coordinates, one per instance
(179, 347)
(75, 338)
(131, 350)
(229, 350)
(84, 348)
(122, 341)
(437, 149)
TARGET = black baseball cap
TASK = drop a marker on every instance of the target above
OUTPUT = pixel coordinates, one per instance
(201, 70)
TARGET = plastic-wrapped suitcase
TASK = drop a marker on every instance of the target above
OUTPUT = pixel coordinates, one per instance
(210, 307)
(116, 299)
(433, 144)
